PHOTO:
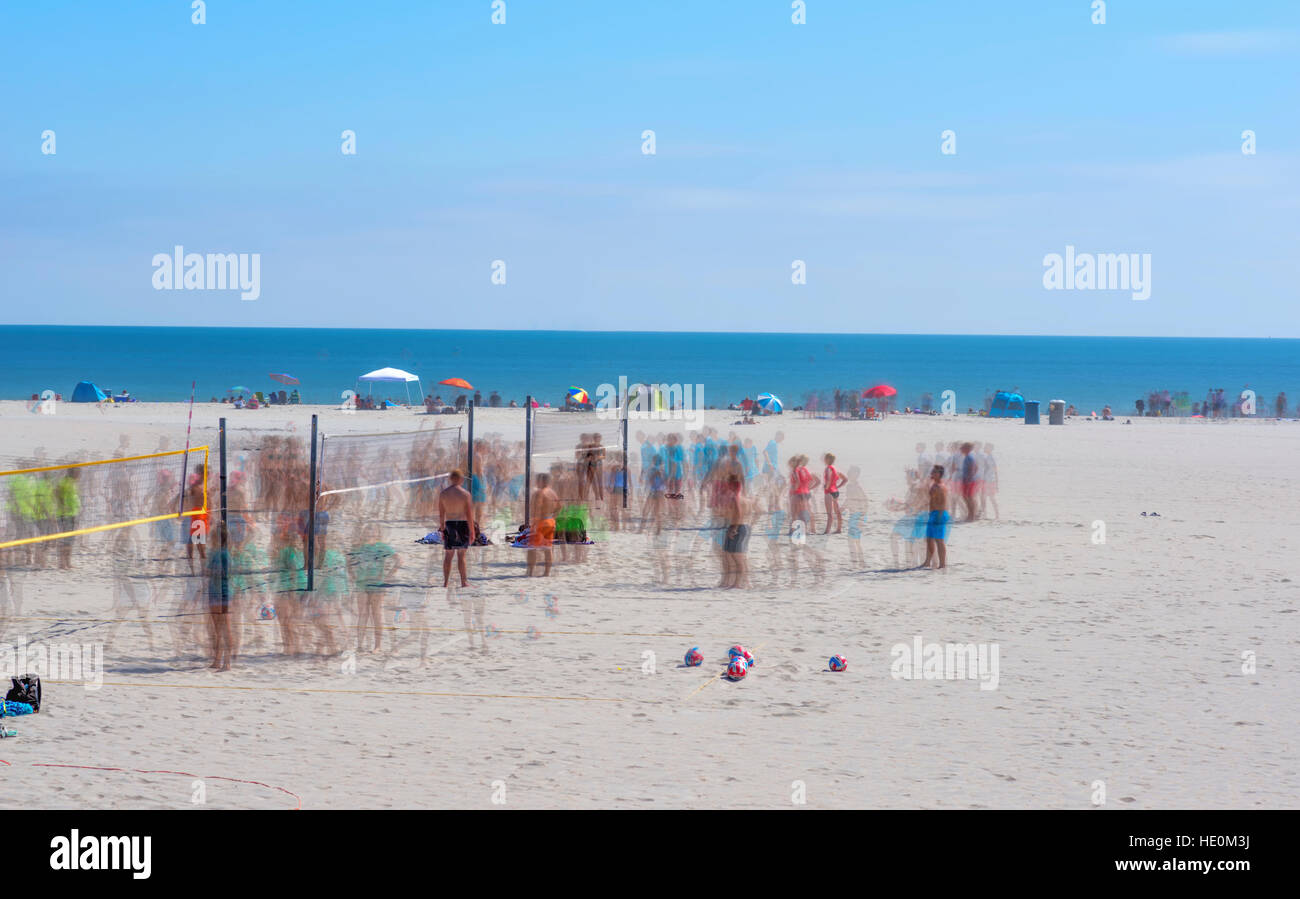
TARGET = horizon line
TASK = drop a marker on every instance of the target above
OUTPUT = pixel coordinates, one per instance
(666, 332)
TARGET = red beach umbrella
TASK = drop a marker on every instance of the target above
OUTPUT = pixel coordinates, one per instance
(458, 382)
(880, 390)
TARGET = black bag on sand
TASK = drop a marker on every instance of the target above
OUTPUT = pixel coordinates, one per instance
(26, 689)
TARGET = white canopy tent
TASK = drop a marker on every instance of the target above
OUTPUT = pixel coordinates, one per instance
(392, 376)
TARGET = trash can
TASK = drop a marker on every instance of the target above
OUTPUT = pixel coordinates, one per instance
(1056, 412)
(1031, 412)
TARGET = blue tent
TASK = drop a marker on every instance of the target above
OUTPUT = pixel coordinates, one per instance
(87, 392)
(1007, 405)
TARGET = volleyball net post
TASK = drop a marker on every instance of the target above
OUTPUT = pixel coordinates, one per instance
(469, 457)
(312, 493)
(528, 457)
(225, 538)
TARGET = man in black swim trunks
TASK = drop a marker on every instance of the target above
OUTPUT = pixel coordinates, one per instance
(456, 509)
(738, 510)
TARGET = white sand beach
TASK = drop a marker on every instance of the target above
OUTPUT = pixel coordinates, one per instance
(1119, 662)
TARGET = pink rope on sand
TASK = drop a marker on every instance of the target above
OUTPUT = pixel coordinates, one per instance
(256, 783)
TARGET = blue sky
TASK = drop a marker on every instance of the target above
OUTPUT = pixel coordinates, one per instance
(775, 142)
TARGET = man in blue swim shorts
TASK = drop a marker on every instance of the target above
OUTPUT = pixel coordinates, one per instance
(936, 526)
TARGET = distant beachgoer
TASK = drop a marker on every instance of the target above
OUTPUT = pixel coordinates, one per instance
(936, 529)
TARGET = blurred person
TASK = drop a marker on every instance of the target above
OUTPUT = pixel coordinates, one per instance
(772, 453)
(374, 563)
(543, 505)
(218, 596)
(614, 483)
(969, 480)
(130, 594)
(67, 501)
(989, 482)
(290, 577)
(802, 484)
(197, 524)
(909, 530)
(738, 513)
(11, 589)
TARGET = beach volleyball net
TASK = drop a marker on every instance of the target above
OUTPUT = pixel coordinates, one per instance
(52, 502)
(388, 472)
(586, 449)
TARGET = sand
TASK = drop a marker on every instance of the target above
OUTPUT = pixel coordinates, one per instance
(1119, 662)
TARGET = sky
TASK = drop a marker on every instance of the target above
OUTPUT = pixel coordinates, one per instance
(774, 142)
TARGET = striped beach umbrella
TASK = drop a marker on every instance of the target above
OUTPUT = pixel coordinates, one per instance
(578, 395)
(769, 403)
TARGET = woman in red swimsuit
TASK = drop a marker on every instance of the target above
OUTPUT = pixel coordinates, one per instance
(802, 483)
(832, 480)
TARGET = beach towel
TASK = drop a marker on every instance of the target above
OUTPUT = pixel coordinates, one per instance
(11, 709)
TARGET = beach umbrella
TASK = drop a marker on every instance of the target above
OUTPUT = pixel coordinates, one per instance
(880, 390)
(578, 395)
(769, 403)
(239, 389)
(288, 380)
(458, 382)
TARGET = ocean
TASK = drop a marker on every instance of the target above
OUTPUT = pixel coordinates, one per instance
(160, 363)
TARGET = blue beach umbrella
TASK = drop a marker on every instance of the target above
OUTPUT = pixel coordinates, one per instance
(769, 403)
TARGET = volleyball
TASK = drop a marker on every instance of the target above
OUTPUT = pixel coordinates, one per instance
(749, 658)
(694, 657)
(736, 650)
(738, 668)
(266, 612)
(838, 663)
